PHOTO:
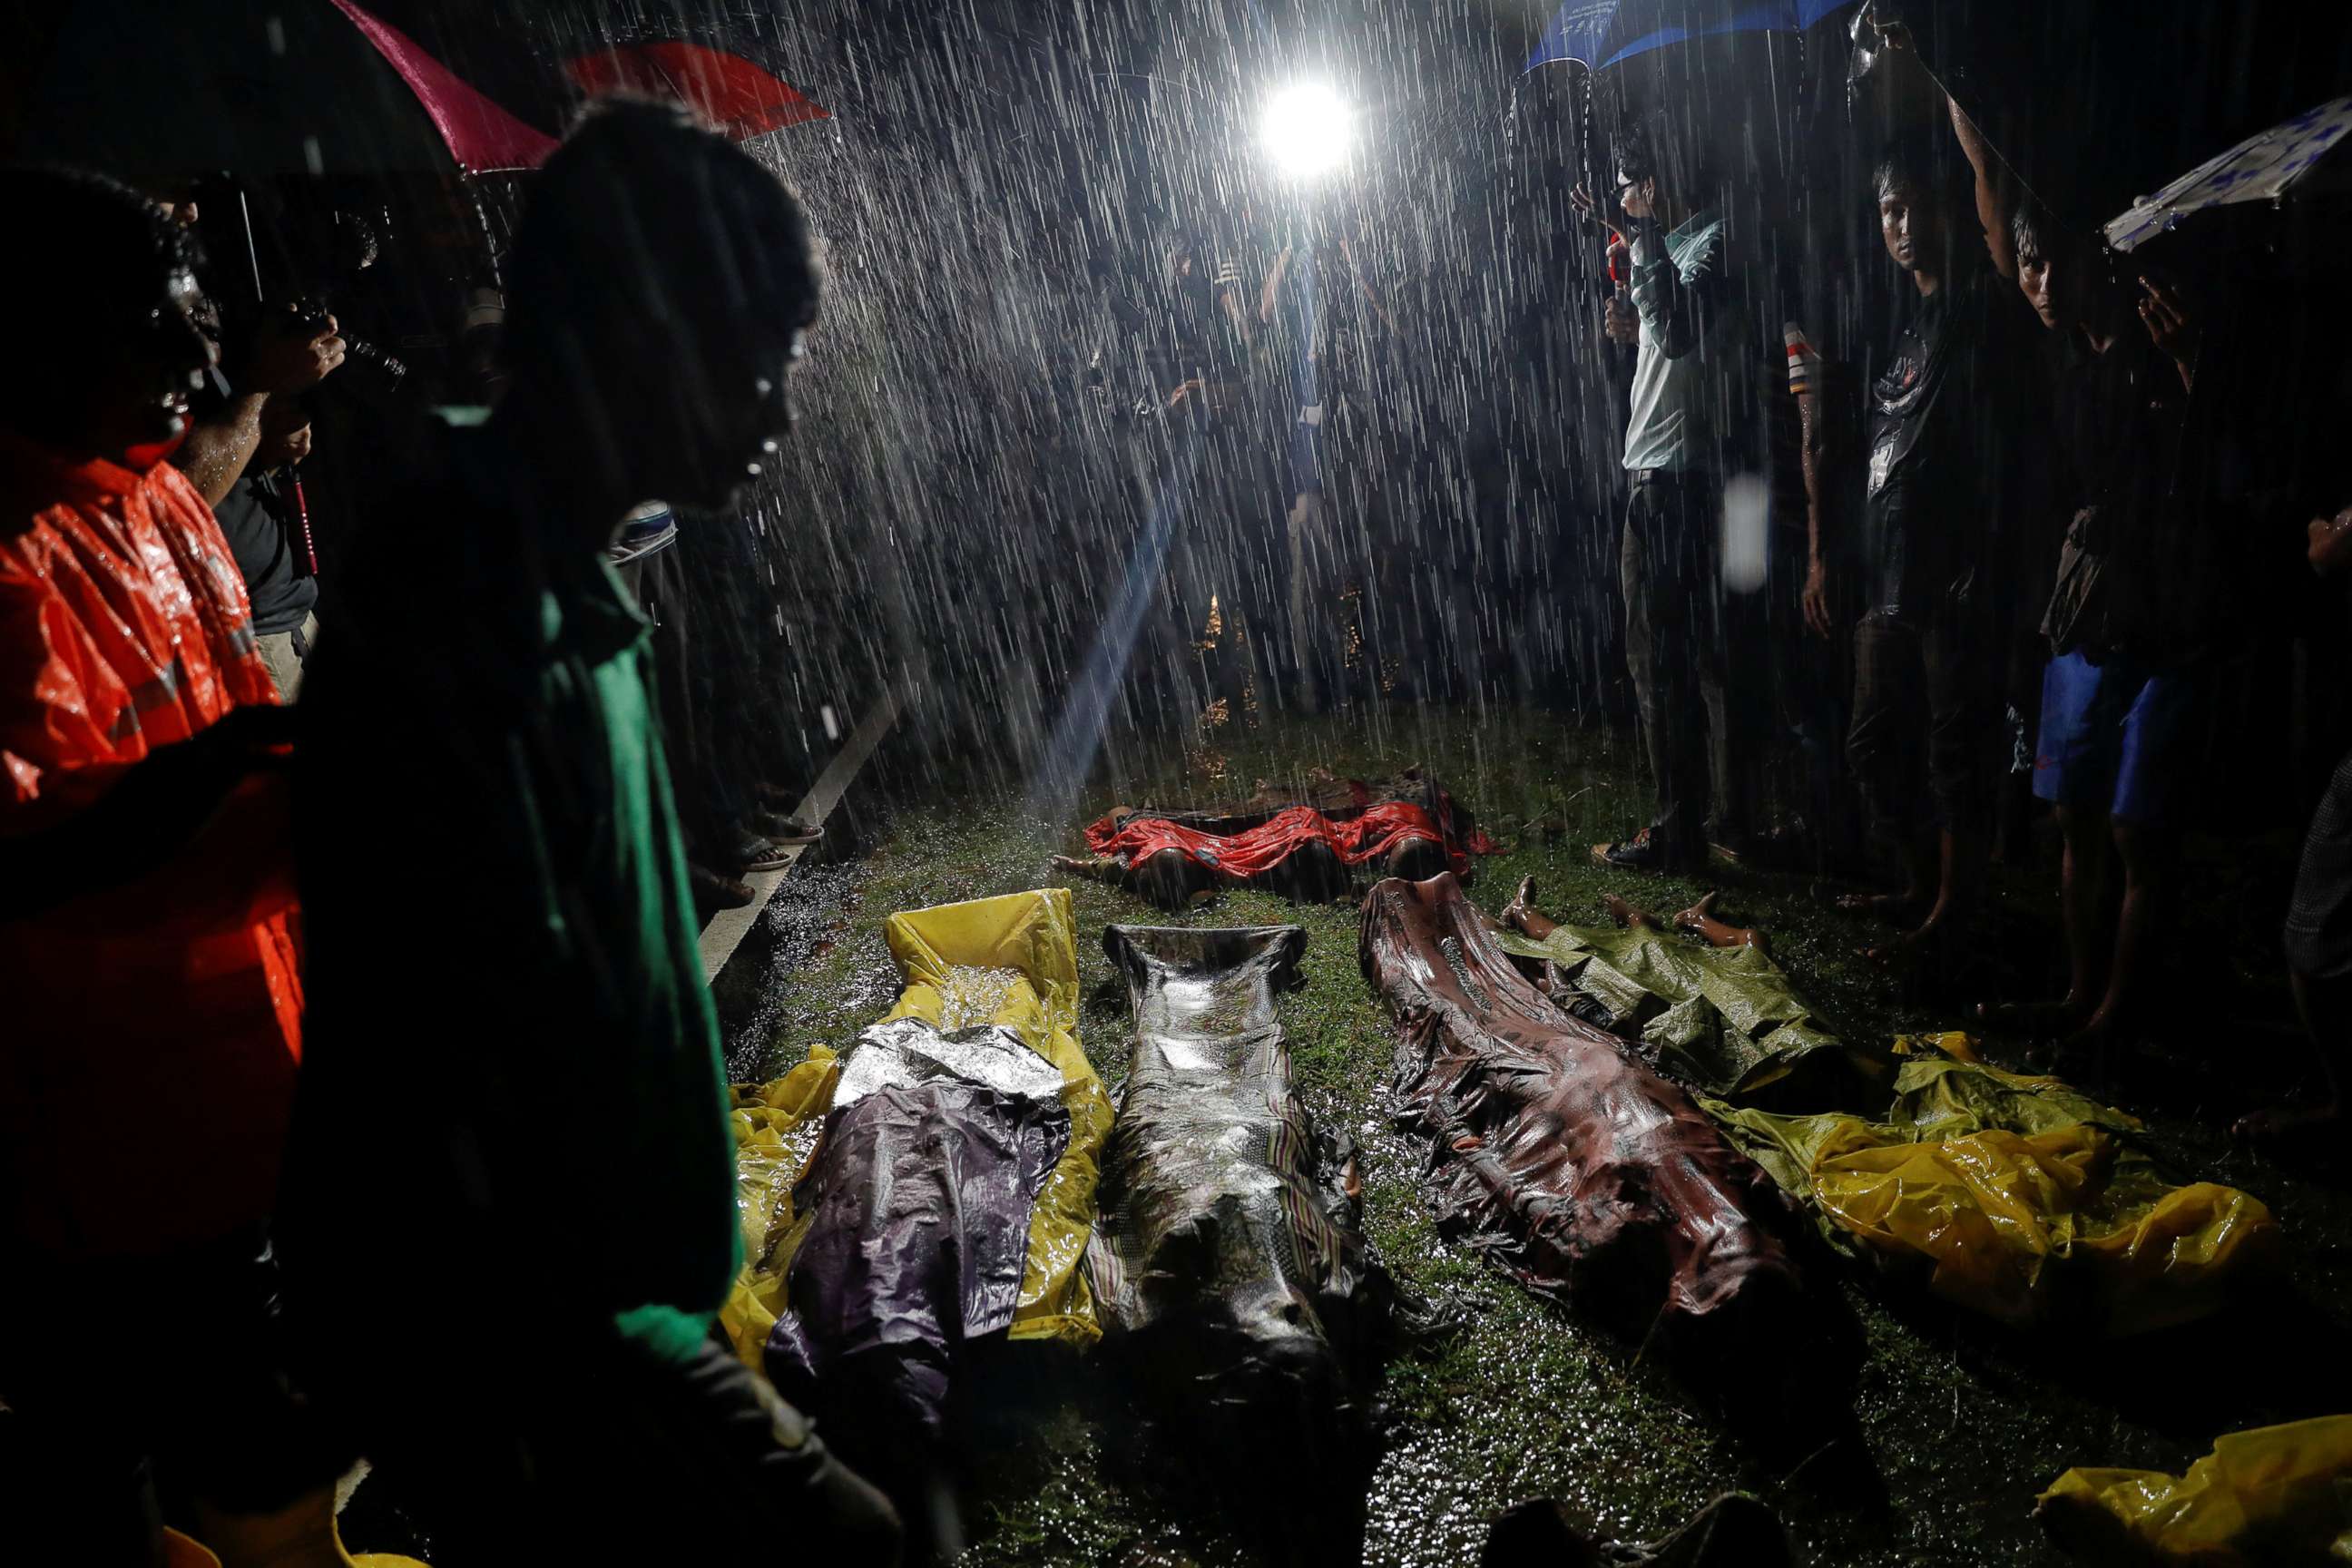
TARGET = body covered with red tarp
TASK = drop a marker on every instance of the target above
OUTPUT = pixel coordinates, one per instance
(1257, 850)
(1315, 834)
(147, 1062)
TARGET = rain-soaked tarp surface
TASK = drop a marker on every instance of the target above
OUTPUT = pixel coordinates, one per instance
(1725, 1020)
(1571, 1166)
(1229, 1249)
(2022, 1197)
(1014, 962)
(949, 1193)
(1306, 841)
(2274, 1495)
(913, 1223)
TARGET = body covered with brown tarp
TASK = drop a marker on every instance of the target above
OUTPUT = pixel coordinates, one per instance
(1575, 1169)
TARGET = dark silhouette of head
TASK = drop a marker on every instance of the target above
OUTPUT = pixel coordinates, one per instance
(658, 290)
(108, 348)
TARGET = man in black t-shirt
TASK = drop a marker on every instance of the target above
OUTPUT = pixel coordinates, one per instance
(1951, 406)
(261, 517)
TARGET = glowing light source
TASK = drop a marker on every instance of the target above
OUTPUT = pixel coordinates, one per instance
(1306, 130)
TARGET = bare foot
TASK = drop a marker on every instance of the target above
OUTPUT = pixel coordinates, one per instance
(1907, 948)
(1696, 915)
(1625, 914)
(2086, 1056)
(1515, 913)
(1700, 918)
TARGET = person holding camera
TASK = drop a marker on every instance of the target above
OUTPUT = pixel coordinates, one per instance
(1682, 319)
(289, 353)
(153, 1011)
(240, 453)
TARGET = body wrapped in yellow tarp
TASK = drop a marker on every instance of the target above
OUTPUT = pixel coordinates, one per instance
(2274, 1495)
(1010, 961)
(2024, 1199)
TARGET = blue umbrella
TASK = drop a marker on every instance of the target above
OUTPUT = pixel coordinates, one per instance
(1597, 33)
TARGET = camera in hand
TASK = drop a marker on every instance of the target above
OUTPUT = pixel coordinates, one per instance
(380, 370)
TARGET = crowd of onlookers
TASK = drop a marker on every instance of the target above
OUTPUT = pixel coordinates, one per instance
(2041, 522)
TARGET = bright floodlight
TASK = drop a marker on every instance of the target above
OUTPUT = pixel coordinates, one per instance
(1306, 130)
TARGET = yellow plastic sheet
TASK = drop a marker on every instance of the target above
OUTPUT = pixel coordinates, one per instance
(1011, 961)
(951, 957)
(2024, 1199)
(2274, 1495)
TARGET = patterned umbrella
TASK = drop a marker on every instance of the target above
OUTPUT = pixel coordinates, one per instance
(2293, 157)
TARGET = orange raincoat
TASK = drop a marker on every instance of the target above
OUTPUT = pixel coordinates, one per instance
(149, 1031)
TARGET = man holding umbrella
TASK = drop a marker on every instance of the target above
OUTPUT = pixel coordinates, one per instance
(1690, 374)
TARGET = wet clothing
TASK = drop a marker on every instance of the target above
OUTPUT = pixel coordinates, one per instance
(284, 652)
(1949, 496)
(1678, 290)
(1952, 408)
(1669, 559)
(265, 534)
(1925, 687)
(545, 1134)
(172, 997)
(1690, 362)
(2319, 921)
(2139, 571)
(149, 1028)
(2121, 735)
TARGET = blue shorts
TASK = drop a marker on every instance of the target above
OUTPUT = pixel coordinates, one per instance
(2119, 737)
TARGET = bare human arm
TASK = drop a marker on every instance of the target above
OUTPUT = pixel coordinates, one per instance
(286, 357)
(1994, 197)
(1813, 448)
(217, 450)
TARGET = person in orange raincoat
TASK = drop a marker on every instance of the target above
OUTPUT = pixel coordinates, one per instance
(152, 1022)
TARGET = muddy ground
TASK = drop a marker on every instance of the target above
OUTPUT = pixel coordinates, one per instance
(1962, 1423)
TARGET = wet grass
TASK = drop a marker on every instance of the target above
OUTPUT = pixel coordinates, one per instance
(1962, 1424)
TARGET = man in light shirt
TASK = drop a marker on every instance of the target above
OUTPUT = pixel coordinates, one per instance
(1673, 306)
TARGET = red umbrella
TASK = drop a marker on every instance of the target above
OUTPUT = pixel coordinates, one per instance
(725, 88)
(480, 135)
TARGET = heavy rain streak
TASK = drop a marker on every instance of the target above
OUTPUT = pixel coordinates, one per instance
(1175, 783)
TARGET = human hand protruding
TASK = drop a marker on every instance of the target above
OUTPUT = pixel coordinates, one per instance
(289, 353)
